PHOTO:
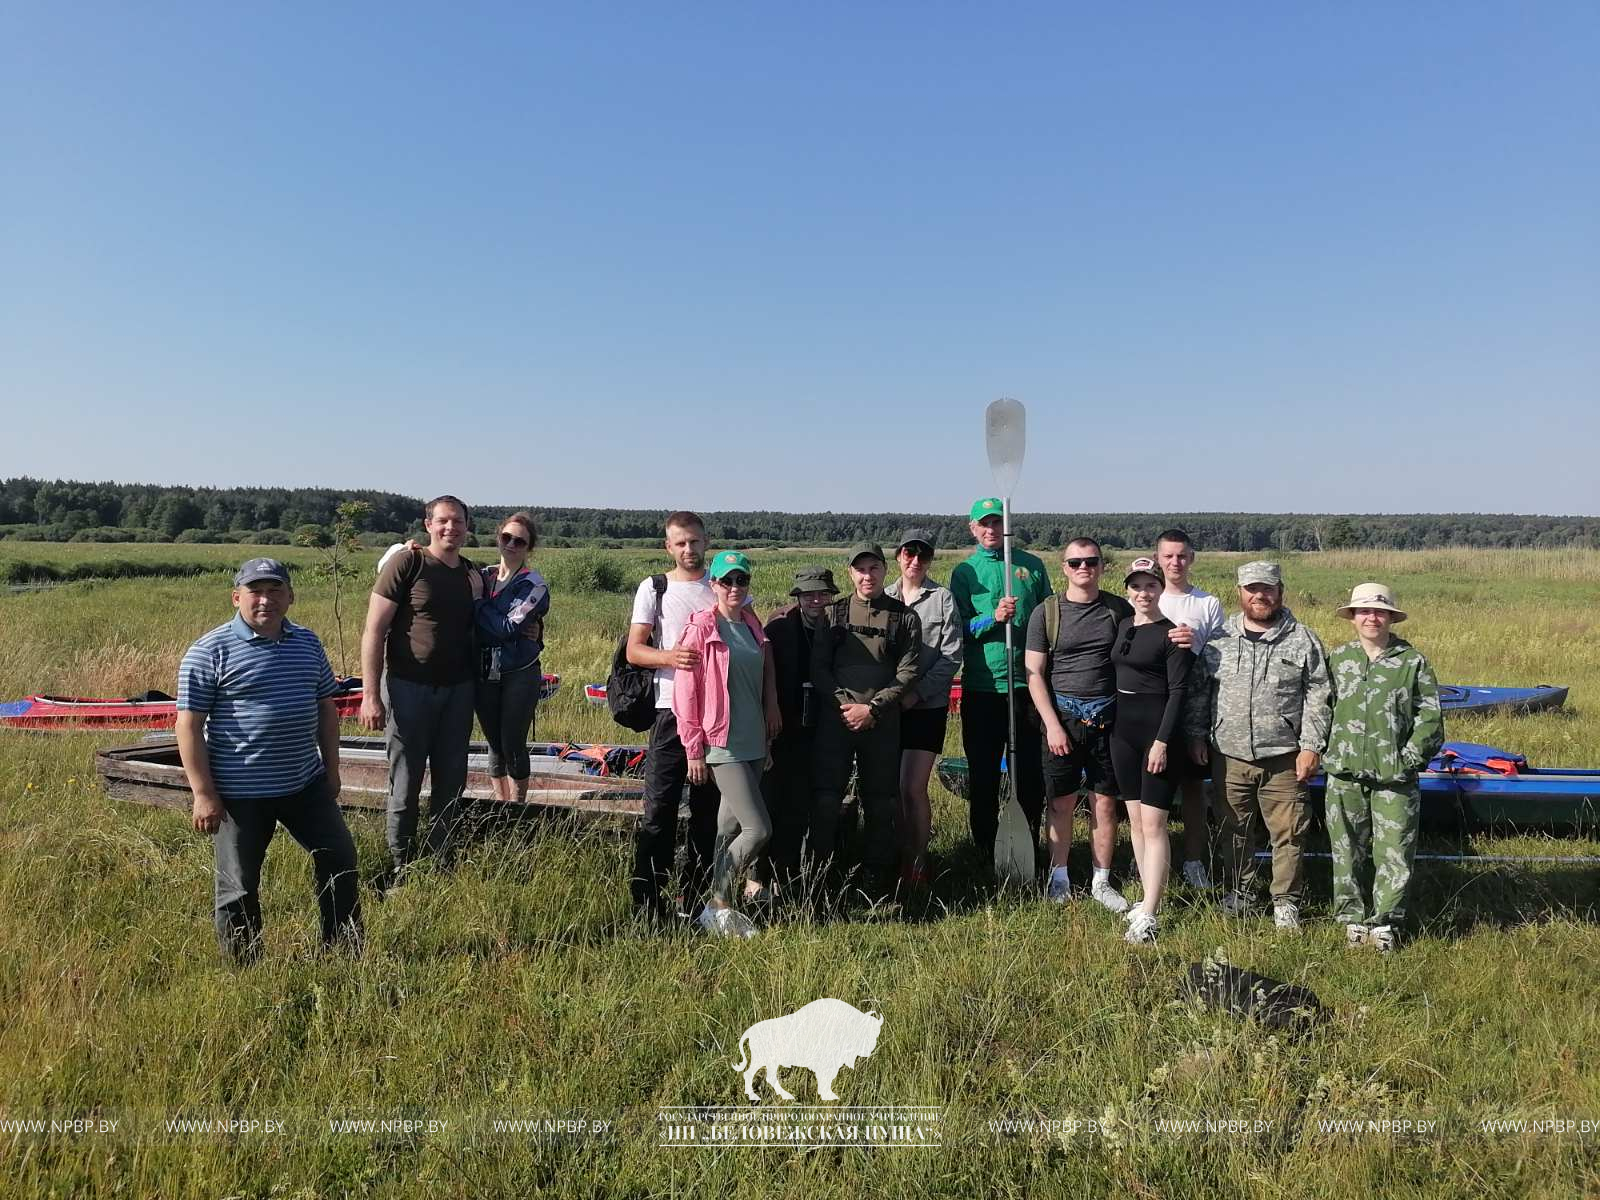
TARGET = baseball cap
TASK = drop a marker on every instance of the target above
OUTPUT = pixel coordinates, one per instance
(729, 560)
(861, 548)
(1260, 572)
(922, 536)
(257, 569)
(813, 579)
(1143, 566)
(989, 506)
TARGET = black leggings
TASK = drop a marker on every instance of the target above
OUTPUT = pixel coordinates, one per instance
(1138, 722)
(505, 710)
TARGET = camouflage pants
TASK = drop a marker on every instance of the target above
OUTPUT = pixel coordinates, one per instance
(1372, 830)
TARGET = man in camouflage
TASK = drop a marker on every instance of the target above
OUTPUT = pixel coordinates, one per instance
(1387, 725)
(1264, 709)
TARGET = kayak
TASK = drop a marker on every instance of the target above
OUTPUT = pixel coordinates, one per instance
(153, 710)
(1531, 797)
(1469, 699)
(1453, 698)
(578, 783)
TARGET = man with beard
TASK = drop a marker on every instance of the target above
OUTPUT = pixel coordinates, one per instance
(1266, 712)
(789, 783)
(657, 623)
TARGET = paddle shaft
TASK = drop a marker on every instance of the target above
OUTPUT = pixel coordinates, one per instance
(1011, 694)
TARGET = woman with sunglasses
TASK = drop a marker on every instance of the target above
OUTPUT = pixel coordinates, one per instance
(726, 707)
(510, 620)
(1152, 672)
(927, 703)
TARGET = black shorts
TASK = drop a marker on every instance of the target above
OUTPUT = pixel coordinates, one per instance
(923, 729)
(1086, 764)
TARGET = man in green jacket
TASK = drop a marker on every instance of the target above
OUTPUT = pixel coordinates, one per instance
(1387, 725)
(978, 585)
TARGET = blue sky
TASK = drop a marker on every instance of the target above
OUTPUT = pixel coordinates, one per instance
(1270, 257)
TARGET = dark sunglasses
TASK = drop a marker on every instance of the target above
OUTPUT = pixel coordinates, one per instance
(733, 579)
(512, 540)
(1127, 644)
(1092, 561)
(916, 550)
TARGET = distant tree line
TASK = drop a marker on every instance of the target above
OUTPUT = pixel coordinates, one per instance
(60, 510)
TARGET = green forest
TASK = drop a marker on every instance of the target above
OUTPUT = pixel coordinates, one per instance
(71, 511)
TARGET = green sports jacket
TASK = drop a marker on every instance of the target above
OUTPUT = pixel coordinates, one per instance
(978, 583)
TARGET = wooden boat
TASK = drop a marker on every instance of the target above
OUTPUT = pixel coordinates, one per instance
(1533, 798)
(153, 710)
(150, 773)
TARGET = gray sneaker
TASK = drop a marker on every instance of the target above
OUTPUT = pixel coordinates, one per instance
(726, 922)
(1386, 938)
(1196, 876)
(1236, 904)
(1286, 916)
(1109, 896)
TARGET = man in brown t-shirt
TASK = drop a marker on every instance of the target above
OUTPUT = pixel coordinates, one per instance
(864, 656)
(419, 625)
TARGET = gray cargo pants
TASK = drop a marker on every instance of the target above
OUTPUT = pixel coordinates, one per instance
(429, 729)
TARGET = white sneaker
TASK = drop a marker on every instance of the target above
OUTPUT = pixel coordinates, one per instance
(1141, 928)
(1286, 916)
(726, 922)
(1109, 896)
(1236, 904)
(1357, 935)
(1059, 889)
(1385, 937)
(1194, 874)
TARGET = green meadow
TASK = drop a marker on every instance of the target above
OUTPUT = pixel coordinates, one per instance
(519, 989)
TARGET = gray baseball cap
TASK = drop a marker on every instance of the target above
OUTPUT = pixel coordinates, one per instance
(861, 548)
(911, 536)
(1260, 572)
(257, 569)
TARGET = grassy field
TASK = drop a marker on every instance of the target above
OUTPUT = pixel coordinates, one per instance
(518, 988)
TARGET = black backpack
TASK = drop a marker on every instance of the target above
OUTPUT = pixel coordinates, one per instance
(631, 690)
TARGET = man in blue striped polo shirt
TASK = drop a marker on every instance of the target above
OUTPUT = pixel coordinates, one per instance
(258, 734)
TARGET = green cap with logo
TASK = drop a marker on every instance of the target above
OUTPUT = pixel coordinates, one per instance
(726, 561)
(989, 506)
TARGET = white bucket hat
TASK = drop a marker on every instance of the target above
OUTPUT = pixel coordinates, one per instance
(1371, 595)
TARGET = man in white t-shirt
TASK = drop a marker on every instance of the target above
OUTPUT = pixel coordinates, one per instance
(1184, 604)
(652, 643)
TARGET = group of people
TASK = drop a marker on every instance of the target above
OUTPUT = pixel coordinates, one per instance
(1135, 699)
(258, 731)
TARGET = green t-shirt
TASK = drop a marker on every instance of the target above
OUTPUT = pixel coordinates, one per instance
(747, 724)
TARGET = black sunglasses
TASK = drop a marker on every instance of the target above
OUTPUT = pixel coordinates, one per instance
(734, 579)
(512, 540)
(1092, 561)
(916, 550)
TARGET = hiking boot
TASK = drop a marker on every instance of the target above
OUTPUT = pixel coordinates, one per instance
(1109, 896)
(1059, 888)
(1357, 935)
(1385, 937)
(1286, 916)
(1195, 875)
(1236, 903)
(726, 922)
(1141, 928)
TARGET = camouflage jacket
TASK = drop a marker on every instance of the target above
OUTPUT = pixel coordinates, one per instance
(1387, 722)
(1263, 698)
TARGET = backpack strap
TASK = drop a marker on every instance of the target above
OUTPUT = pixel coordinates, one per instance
(659, 582)
(1052, 624)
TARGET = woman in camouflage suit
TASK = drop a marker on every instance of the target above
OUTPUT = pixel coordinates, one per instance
(1387, 725)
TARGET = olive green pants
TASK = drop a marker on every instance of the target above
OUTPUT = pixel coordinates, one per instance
(1372, 831)
(1256, 794)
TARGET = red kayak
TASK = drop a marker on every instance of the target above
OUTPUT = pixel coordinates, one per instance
(154, 710)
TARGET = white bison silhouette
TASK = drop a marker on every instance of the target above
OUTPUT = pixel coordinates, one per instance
(824, 1037)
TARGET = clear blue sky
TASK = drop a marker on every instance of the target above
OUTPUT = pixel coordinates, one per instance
(1231, 256)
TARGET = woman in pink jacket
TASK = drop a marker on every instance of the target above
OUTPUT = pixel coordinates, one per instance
(727, 711)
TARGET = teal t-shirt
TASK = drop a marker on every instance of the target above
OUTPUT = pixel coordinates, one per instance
(747, 723)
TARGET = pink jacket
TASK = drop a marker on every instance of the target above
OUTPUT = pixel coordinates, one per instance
(700, 696)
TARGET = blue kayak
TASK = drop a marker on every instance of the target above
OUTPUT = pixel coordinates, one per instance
(1461, 699)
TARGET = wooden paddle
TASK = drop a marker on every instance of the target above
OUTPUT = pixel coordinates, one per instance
(1004, 429)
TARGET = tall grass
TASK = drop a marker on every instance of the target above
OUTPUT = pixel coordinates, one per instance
(520, 985)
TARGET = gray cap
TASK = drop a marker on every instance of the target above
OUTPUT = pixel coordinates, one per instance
(813, 579)
(1260, 572)
(258, 569)
(917, 535)
(861, 548)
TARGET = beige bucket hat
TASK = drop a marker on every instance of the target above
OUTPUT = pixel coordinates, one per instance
(1371, 595)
